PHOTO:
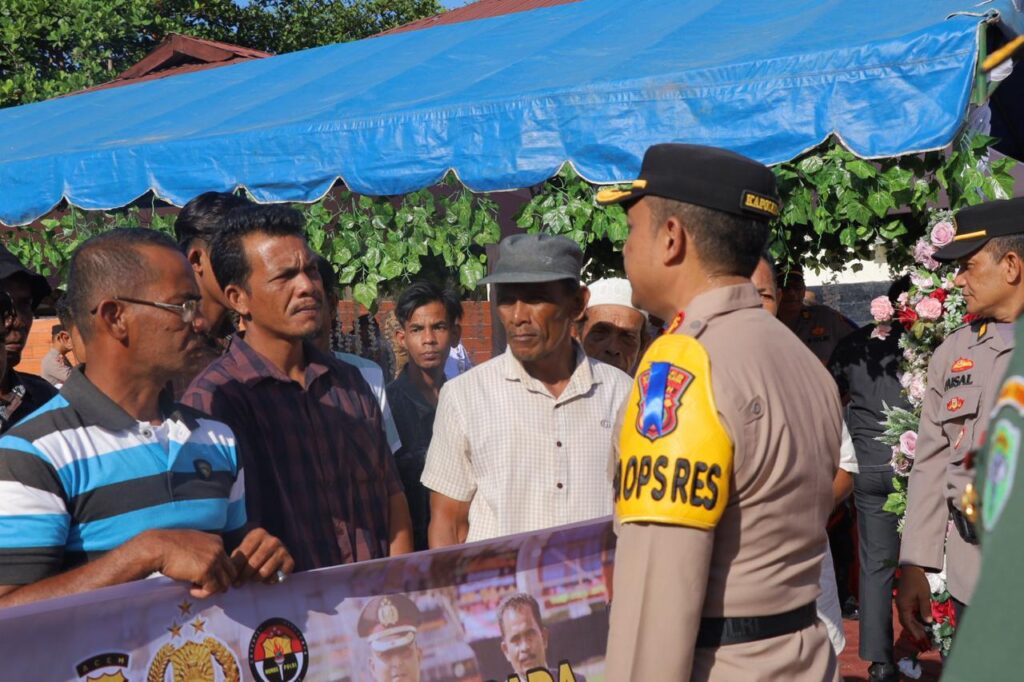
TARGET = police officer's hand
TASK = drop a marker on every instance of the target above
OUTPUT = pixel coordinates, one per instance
(193, 557)
(914, 602)
(260, 556)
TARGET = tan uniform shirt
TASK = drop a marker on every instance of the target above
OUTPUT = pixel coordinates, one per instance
(963, 379)
(781, 410)
(525, 459)
(821, 328)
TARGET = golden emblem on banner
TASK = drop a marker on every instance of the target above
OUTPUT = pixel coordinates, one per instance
(197, 660)
(193, 662)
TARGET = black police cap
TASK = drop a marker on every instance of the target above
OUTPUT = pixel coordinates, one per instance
(704, 176)
(975, 225)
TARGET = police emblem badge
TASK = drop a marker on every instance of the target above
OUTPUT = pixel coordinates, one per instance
(955, 404)
(999, 472)
(197, 659)
(661, 392)
(278, 652)
(962, 365)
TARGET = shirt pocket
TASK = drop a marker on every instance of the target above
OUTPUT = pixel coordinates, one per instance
(959, 415)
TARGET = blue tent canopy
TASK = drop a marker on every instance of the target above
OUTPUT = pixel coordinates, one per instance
(504, 102)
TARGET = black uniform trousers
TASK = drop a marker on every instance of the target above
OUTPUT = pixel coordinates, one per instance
(879, 556)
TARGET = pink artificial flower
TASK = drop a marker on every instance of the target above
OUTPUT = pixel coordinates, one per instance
(929, 308)
(943, 233)
(921, 280)
(923, 252)
(881, 309)
(899, 463)
(881, 332)
(903, 298)
(908, 443)
(917, 388)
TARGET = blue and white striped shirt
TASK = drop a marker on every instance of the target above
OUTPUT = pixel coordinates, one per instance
(80, 476)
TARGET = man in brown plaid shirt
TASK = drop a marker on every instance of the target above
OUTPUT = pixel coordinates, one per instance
(318, 468)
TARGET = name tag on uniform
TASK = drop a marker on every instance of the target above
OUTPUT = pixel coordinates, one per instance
(675, 456)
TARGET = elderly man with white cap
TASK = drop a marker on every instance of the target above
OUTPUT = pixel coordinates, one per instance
(612, 329)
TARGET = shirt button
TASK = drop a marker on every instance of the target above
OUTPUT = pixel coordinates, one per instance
(559, 486)
(147, 433)
(558, 443)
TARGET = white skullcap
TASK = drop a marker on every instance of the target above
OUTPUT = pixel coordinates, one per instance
(611, 291)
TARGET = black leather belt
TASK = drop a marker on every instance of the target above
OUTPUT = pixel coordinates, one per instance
(715, 632)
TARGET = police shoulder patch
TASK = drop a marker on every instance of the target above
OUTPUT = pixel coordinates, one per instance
(1003, 449)
(675, 456)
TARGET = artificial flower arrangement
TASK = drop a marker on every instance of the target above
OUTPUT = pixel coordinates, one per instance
(929, 312)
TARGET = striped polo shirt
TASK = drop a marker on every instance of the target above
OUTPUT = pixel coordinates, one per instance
(80, 476)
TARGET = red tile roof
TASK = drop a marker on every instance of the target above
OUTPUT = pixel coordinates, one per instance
(477, 10)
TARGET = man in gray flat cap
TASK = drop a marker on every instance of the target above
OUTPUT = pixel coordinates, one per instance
(523, 442)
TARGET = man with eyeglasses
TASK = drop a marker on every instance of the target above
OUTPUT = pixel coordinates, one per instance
(309, 427)
(20, 393)
(111, 481)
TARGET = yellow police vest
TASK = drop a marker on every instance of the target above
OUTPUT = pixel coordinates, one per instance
(675, 456)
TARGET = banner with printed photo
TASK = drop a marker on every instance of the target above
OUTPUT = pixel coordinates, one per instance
(533, 604)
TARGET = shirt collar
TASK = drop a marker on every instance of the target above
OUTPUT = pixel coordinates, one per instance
(407, 387)
(254, 367)
(719, 301)
(581, 381)
(997, 335)
(97, 409)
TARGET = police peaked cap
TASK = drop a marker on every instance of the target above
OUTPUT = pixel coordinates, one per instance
(703, 176)
(975, 225)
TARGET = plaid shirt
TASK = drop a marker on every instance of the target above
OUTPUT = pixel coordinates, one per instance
(319, 473)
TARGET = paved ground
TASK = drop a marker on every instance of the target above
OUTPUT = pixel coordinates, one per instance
(856, 670)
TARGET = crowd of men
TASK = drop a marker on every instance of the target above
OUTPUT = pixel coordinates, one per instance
(703, 401)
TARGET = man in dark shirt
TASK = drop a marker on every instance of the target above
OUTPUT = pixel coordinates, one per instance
(426, 315)
(319, 473)
(866, 365)
(20, 393)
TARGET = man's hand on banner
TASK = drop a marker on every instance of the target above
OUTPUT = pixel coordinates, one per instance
(194, 557)
(261, 556)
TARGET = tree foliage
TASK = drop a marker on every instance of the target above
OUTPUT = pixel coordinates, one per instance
(837, 208)
(53, 47)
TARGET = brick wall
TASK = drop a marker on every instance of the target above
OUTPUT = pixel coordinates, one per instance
(38, 345)
(476, 324)
(476, 331)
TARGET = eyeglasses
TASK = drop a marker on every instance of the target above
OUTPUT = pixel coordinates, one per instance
(187, 310)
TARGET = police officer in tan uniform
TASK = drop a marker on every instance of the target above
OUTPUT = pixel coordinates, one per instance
(728, 444)
(963, 377)
(818, 326)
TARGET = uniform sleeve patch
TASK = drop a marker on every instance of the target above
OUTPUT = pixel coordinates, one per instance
(675, 456)
(1001, 471)
(1011, 394)
(661, 390)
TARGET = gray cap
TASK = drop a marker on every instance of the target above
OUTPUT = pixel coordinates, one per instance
(528, 258)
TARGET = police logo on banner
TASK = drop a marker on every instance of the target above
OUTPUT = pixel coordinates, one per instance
(999, 471)
(105, 667)
(661, 391)
(199, 655)
(278, 652)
